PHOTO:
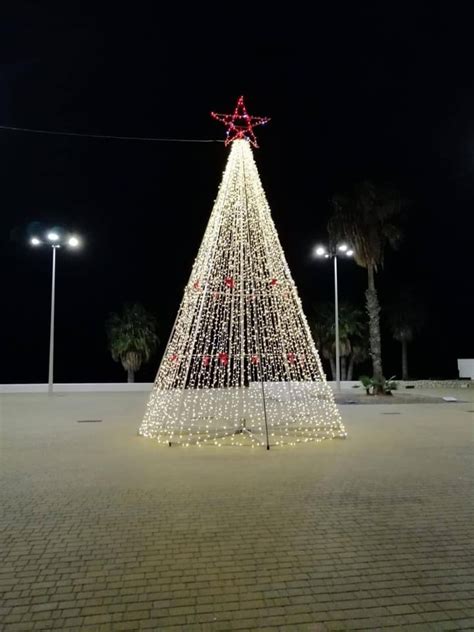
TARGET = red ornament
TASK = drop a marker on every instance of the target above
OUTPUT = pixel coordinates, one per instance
(223, 358)
(240, 124)
(196, 285)
(291, 358)
(229, 281)
(205, 360)
(255, 359)
(173, 357)
(273, 282)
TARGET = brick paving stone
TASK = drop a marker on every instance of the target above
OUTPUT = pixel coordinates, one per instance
(446, 625)
(102, 530)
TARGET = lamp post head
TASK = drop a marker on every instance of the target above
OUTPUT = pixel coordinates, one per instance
(334, 250)
(56, 239)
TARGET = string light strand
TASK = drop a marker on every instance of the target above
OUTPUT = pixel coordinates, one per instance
(241, 367)
(9, 128)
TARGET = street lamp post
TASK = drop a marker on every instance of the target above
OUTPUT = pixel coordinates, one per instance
(55, 241)
(327, 253)
(54, 247)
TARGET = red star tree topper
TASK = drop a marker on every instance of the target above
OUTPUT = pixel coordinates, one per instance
(240, 124)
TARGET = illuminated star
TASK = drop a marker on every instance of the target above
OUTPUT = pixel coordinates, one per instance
(240, 124)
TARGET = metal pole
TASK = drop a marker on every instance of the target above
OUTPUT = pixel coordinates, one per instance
(336, 316)
(51, 331)
(259, 349)
(265, 413)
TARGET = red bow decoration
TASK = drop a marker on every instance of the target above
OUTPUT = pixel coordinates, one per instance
(173, 357)
(196, 284)
(229, 281)
(273, 282)
(224, 358)
(291, 358)
(205, 360)
(255, 359)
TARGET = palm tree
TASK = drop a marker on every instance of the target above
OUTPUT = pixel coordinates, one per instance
(351, 330)
(406, 317)
(132, 337)
(323, 332)
(359, 354)
(365, 218)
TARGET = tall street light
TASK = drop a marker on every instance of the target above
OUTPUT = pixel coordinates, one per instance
(54, 240)
(340, 250)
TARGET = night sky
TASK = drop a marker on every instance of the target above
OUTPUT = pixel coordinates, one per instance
(381, 90)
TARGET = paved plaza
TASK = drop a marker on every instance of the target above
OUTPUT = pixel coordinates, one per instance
(104, 530)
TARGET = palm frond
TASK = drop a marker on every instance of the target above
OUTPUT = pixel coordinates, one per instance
(132, 331)
(365, 218)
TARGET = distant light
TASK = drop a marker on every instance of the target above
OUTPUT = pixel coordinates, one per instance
(53, 236)
(342, 247)
(73, 241)
(320, 251)
(326, 256)
(34, 241)
(349, 253)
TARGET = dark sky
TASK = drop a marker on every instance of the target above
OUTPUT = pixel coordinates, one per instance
(380, 90)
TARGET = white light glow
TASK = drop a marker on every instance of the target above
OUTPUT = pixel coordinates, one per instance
(320, 251)
(349, 253)
(73, 241)
(34, 241)
(52, 236)
(241, 335)
(342, 247)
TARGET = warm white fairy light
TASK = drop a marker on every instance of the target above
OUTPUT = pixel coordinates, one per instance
(241, 362)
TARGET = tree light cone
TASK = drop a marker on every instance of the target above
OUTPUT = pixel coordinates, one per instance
(241, 367)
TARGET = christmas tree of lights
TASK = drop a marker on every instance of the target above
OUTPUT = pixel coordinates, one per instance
(240, 366)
